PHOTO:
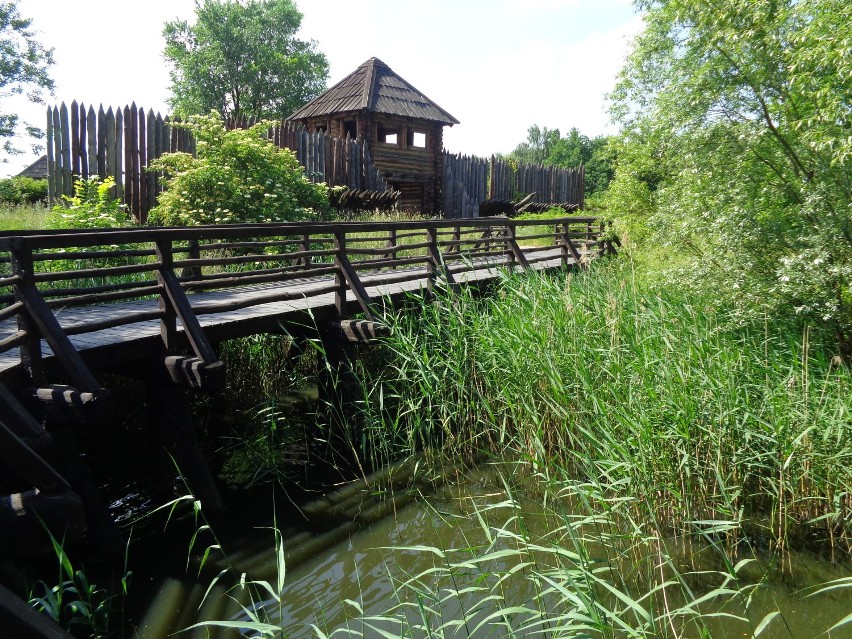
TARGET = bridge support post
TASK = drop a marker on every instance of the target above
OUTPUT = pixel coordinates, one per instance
(337, 388)
(170, 421)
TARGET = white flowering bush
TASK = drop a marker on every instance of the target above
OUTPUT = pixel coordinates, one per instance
(236, 176)
(741, 109)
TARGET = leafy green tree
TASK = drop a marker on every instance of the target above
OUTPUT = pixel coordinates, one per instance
(242, 59)
(545, 146)
(538, 146)
(237, 176)
(748, 106)
(24, 67)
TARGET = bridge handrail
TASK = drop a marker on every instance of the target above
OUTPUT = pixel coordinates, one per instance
(45, 272)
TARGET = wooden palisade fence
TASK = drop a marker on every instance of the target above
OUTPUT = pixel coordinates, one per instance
(468, 181)
(121, 143)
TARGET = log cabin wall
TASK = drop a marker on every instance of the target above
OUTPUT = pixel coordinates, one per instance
(408, 153)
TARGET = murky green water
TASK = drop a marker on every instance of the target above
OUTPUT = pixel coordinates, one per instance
(418, 558)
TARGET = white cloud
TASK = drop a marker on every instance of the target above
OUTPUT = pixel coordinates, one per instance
(498, 68)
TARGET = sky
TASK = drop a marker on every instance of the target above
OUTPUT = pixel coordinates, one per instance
(498, 66)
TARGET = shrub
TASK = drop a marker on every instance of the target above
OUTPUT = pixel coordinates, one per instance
(238, 176)
(90, 207)
(22, 190)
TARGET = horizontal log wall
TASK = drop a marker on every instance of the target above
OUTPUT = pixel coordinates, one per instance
(120, 143)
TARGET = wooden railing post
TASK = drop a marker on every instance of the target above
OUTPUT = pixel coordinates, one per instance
(30, 349)
(433, 263)
(569, 249)
(436, 263)
(305, 246)
(39, 321)
(168, 321)
(340, 287)
(194, 253)
(391, 244)
(516, 255)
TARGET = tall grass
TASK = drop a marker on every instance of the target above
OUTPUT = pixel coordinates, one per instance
(15, 217)
(642, 393)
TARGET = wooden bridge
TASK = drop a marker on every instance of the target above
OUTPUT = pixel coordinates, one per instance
(152, 303)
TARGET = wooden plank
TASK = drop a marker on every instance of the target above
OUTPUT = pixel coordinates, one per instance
(22, 620)
(67, 180)
(91, 143)
(112, 163)
(131, 168)
(84, 146)
(121, 165)
(142, 159)
(357, 331)
(75, 140)
(102, 142)
(51, 161)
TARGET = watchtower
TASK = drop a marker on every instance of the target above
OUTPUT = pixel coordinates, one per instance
(404, 129)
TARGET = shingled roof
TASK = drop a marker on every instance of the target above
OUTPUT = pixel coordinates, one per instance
(36, 170)
(375, 87)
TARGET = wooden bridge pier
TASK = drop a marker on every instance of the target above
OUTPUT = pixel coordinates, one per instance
(150, 303)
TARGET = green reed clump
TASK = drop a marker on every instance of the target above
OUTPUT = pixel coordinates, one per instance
(641, 391)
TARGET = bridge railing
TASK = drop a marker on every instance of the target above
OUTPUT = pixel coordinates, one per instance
(54, 285)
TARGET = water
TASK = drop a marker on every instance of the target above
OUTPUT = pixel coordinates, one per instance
(372, 562)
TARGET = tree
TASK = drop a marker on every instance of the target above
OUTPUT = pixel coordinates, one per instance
(237, 176)
(537, 147)
(242, 59)
(23, 70)
(545, 146)
(748, 106)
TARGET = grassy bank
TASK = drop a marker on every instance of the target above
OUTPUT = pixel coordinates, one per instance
(669, 419)
(15, 217)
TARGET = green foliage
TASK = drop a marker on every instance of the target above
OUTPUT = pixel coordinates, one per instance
(243, 59)
(685, 418)
(744, 106)
(22, 190)
(91, 207)
(23, 216)
(545, 146)
(238, 176)
(23, 68)
(77, 605)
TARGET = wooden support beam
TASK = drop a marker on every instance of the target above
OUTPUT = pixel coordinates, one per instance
(355, 285)
(19, 619)
(357, 331)
(28, 464)
(517, 254)
(68, 405)
(192, 327)
(31, 356)
(61, 346)
(194, 373)
(568, 246)
(170, 417)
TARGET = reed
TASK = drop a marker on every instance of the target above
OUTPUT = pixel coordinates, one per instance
(641, 392)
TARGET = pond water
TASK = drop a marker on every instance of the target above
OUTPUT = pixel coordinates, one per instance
(461, 554)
